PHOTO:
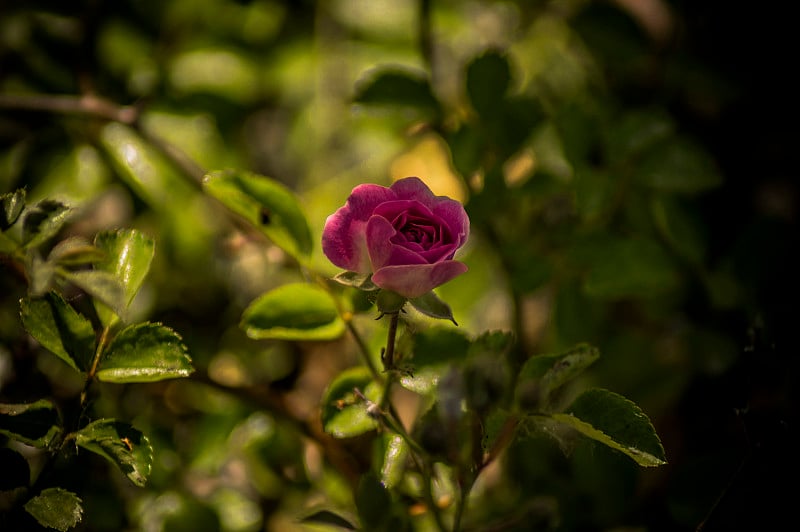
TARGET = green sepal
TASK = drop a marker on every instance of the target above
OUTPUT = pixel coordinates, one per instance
(389, 302)
(431, 305)
(362, 281)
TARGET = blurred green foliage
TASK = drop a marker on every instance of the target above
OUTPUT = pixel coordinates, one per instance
(624, 191)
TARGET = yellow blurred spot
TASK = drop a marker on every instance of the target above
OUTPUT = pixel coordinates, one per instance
(519, 168)
(417, 509)
(429, 159)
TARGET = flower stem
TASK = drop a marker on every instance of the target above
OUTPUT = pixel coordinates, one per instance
(388, 354)
(101, 345)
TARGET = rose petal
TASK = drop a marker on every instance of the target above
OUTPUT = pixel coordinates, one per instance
(382, 252)
(453, 214)
(343, 238)
(417, 280)
(413, 188)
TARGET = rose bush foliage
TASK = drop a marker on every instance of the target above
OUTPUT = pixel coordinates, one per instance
(404, 235)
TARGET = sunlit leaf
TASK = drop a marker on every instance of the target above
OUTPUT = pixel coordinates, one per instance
(298, 311)
(145, 352)
(127, 256)
(35, 424)
(120, 444)
(60, 329)
(42, 221)
(16, 471)
(267, 204)
(430, 305)
(435, 349)
(344, 412)
(103, 286)
(56, 508)
(617, 422)
(11, 205)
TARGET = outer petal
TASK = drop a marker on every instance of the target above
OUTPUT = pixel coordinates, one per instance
(413, 188)
(344, 236)
(417, 280)
(453, 214)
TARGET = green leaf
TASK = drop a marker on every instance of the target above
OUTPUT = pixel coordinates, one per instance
(11, 205)
(373, 502)
(615, 421)
(396, 87)
(267, 204)
(36, 424)
(636, 131)
(435, 350)
(60, 329)
(56, 508)
(43, 221)
(120, 444)
(678, 165)
(629, 268)
(320, 516)
(145, 352)
(362, 281)
(432, 306)
(127, 256)
(16, 471)
(488, 80)
(297, 311)
(394, 454)
(541, 375)
(102, 286)
(680, 228)
(344, 413)
(74, 251)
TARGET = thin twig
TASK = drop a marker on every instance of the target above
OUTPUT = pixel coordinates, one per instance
(83, 105)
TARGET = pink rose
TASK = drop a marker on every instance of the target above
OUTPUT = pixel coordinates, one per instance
(404, 235)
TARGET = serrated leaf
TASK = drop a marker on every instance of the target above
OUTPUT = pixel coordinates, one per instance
(120, 444)
(11, 205)
(344, 413)
(102, 286)
(74, 251)
(435, 350)
(550, 372)
(36, 424)
(267, 204)
(297, 311)
(42, 221)
(16, 471)
(56, 508)
(60, 329)
(145, 352)
(362, 281)
(327, 518)
(617, 422)
(127, 256)
(396, 87)
(430, 305)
